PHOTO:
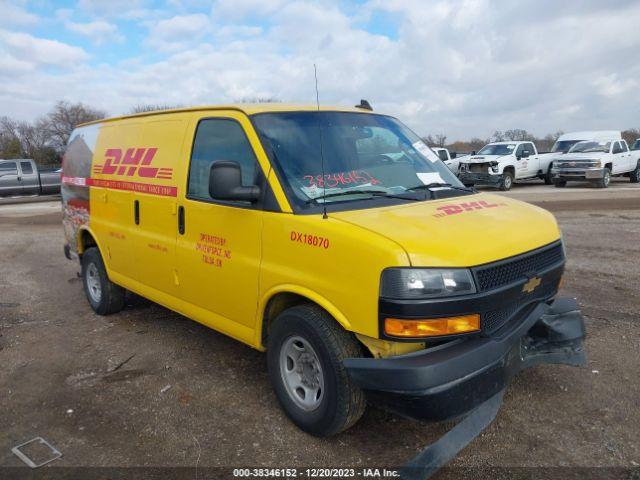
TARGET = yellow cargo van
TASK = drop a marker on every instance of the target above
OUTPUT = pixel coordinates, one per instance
(332, 238)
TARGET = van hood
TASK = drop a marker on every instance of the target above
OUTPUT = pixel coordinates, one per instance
(461, 231)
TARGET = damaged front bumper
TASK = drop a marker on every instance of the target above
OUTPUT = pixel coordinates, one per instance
(475, 178)
(451, 379)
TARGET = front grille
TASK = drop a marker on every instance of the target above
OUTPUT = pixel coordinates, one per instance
(574, 164)
(494, 319)
(478, 167)
(508, 271)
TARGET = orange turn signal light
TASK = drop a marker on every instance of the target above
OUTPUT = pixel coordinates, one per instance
(431, 327)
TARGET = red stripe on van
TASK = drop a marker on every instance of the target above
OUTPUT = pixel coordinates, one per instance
(161, 190)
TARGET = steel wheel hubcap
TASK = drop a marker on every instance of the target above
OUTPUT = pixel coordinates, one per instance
(93, 283)
(301, 373)
(507, 181)
(607, 178)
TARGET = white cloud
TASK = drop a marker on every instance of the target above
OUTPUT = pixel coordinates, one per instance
(26, 49)
(178, 32)
(14, 15)
(97, 31)
(465, 67)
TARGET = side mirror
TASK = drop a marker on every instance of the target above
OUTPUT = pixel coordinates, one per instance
(473, 152)
(225, 183)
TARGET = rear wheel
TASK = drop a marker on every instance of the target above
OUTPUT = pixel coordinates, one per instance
(605, 180)
(305, 352)
(507, 181)
(105, 297)
(635, 175)
(548, 179)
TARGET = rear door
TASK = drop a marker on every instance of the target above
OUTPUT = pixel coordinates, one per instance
(30, 181)
(10, 181)
(619, 162)
(628, 163)
(219, 242)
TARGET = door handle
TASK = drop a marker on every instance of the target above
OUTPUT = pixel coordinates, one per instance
(181, 220)
(136, 212)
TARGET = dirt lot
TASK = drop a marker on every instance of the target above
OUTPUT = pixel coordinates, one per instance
(148, 387)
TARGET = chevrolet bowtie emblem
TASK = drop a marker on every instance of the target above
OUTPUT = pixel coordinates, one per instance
(532, 284)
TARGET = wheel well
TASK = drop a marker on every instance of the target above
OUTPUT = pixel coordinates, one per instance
(276, 305)
(85, 241)
(510, 169)
(609, 166)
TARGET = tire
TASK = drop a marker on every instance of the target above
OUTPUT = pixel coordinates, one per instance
(560, 183)
(634, 176)
(334, 402)
(507, 181)
(548, 179)
(605, 180)
(104, 296)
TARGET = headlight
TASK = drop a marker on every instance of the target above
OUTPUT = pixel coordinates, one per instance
(596, 163)
(415, 283)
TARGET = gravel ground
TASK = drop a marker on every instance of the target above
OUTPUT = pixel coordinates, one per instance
(148, 387)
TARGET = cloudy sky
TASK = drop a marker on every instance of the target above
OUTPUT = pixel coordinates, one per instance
(460, 67)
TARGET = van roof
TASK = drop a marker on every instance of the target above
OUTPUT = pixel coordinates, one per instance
(247, 108)
(592, 135)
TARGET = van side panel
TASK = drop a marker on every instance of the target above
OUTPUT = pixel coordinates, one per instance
(111, 201)
(76, 171)
(333, 263)
(155, 234)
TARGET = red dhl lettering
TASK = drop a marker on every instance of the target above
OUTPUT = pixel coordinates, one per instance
(133, 162)
(454, 209)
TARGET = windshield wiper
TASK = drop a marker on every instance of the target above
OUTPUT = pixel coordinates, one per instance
(431, 186)
(373, 193)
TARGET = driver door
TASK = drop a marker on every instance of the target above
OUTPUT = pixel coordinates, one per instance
(219, 247)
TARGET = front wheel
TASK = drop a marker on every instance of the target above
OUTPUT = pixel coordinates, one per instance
(635, 175)
(605, 180)
(548, 178)
(305, 352)
(507, 181)
(105, 297)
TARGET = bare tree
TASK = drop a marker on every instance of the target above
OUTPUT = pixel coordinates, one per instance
(631, 135)
(498, 136)
(142, 108)
(441, 140)
(63, 118)
(258, 100)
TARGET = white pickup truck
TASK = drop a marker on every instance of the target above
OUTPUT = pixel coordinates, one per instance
(596, 162)
(499, 164)
(450, 159)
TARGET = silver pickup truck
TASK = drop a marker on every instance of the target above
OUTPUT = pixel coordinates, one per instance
(23, 177)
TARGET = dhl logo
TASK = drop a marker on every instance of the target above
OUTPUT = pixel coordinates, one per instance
(454, 209)
(134, 162)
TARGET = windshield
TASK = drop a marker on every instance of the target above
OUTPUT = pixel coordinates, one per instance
(365, 156)
(585, 147)
(498, 149)
(563, 146)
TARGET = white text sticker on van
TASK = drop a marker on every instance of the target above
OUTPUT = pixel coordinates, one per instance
(430, 177)
(421, 147)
